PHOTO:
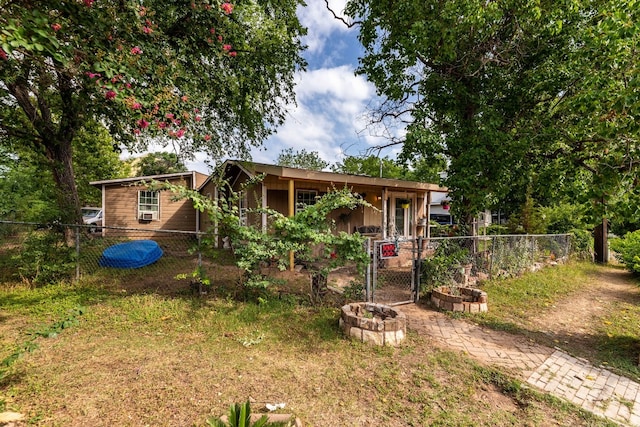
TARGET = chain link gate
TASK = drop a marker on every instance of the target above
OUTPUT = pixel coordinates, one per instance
(393, 276)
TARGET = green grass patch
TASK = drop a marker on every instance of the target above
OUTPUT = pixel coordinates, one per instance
(618, 342)
(528, 295)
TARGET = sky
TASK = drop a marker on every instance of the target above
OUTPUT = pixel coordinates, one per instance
(331, 100)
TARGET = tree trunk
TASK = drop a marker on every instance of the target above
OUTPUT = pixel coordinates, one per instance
(60, 156)
(53, 135)
(318, 285)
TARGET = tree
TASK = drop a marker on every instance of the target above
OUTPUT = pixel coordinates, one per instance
(374, 166)
(28, 193)
(410, 169)
(200, 74)
(159, 163)
(302, 159)
(499, 88)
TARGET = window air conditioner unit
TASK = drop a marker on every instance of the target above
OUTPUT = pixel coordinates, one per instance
(148, 215)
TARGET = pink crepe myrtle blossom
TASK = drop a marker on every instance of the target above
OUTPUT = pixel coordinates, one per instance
(219, 38)
(136, 106)
(198, 118)
(110, 94)
(212, 30)
(169, 116)
(3, 54)
(226, 47)
(180, 133)
(207, 137)
(147, 30)
(136, 131)
(136, 50)
(233, 53)
(184, 98)
(88, 3)
(93, 75)
(143, 123)
(227, 8)
(162, 125)
(56, 27)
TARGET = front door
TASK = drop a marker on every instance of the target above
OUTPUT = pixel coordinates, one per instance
(402, 216)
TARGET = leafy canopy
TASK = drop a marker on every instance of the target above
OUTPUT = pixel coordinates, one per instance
(198, 74)
(505, 88)
(217, 72)
(302, 159)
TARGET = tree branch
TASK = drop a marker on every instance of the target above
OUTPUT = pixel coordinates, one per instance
(340, 18)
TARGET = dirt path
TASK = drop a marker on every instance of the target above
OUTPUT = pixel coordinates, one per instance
(578, 319)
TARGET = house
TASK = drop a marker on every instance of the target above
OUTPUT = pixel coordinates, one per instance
(129, 203)
(401, 206)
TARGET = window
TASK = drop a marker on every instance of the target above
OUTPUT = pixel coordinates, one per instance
(148, 205)
(242, 207)
(305, 198)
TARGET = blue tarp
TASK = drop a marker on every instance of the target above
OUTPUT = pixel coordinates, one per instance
(135, 254)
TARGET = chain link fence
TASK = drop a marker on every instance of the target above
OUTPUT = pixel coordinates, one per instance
(38, 254)
(402, 270)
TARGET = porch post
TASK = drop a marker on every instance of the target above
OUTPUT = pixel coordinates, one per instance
(292, 212)
(385, 214)
(428, 214)
(264, 206)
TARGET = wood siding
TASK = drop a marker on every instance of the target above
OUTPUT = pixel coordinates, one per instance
(121, 209)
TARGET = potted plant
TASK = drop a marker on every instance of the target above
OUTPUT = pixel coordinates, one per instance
(445, 205)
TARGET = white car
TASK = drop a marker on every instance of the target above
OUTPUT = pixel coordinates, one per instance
(92, 216)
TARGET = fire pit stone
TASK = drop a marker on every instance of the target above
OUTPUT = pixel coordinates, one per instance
(374, 323)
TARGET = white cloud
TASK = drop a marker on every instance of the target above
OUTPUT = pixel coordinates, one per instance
(328, 117)
(321, 23)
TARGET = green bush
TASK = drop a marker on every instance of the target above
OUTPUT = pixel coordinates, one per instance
(563, 218)
(582, 244)
(45, 258)
(440, 269)
(627, 250)
(495, 230)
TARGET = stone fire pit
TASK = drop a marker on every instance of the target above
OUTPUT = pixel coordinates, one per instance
(373, 323)
(467, 300)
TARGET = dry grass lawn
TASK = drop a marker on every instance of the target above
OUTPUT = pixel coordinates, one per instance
(151, 353)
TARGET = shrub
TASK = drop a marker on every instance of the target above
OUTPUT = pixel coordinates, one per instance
(440, 269)
(45, 258)
(582, 244)
(627, 250)
(495, 230)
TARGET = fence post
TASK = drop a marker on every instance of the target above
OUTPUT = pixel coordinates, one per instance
(418, 270)
(493, 254)
(199, 253)
(77, 233)
(374, 279)
(367, 276)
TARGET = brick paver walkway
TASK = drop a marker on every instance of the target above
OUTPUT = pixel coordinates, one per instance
(551, 370)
